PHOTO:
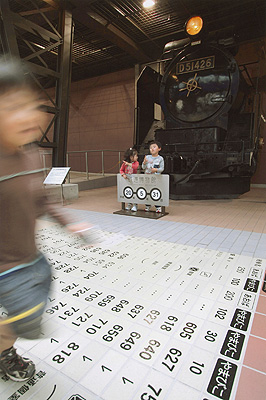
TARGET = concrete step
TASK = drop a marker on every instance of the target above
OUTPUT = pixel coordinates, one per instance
(102, 181)
(67, 191)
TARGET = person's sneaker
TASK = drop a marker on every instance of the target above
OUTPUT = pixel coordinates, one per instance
(17, 368)
(134, 208)
(128, 207)
(147, 208)
(158, 209)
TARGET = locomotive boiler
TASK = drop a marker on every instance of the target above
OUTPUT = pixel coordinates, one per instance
(207, 132)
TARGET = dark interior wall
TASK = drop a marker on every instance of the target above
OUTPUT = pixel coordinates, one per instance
(101, 117)
(253, 55)
(260, 175)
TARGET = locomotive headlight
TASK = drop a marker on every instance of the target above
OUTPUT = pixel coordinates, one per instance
(194, 26)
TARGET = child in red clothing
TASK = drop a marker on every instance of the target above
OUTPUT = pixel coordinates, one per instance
(130, 166)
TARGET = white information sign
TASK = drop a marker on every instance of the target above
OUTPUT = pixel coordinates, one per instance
(150, 189)
(56, 176)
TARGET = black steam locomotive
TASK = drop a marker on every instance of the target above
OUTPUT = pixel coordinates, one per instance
(207, 132)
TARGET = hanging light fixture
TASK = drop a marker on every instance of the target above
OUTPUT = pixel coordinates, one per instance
(148, 3)
(194, 25)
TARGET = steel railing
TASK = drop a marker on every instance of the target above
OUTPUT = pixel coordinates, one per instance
(86, 152)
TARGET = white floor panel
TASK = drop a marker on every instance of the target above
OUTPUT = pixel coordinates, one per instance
(134, 318)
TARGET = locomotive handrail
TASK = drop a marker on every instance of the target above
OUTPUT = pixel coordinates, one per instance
(243, 144)
(195, 144)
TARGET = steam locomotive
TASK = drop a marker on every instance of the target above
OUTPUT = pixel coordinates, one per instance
(208, 132)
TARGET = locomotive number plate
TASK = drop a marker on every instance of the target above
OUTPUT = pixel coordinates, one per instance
(195, 65)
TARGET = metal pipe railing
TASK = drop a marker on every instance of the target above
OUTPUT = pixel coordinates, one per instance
(43, 154)
(87, 165)
(102, 163)
(85, 152)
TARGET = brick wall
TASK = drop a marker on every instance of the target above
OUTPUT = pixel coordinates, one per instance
(101, 117)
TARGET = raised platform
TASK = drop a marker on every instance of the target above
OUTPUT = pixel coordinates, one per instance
(67, 191)
(97, 182)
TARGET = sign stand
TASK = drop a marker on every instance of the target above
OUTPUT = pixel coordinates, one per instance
(56, 177)
(151, 189)
(141, 213)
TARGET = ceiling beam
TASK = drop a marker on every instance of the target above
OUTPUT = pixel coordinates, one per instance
(32, 12)
(39, 70)
(109, 32)
(54, 3)
(30, 26)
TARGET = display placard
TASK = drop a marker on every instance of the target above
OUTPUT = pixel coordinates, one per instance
(56, 176)
(150, 189)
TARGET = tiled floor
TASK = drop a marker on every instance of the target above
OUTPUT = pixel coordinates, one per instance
(237, 225)
(167, 309)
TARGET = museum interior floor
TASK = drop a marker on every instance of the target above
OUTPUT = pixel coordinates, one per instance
(246, 213)
(172, 308)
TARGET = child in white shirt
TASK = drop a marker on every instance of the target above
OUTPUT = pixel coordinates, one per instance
(153, 164)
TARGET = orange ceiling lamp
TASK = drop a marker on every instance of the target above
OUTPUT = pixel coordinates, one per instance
(194, 26)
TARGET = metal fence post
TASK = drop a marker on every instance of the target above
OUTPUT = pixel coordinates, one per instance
(102, 164)
(87, 166)
(67, 165)
(44, 163)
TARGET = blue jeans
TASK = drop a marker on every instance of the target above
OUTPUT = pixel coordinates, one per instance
(24, 295)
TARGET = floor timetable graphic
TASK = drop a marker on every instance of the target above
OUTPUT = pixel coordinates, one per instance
(134, 318)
